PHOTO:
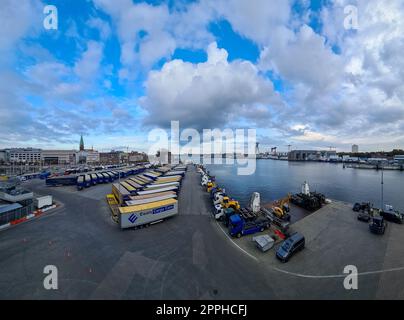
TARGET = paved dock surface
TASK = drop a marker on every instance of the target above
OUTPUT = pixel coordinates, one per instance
(190, 256)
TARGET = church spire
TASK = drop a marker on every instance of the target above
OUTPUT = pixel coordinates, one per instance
(81, 143)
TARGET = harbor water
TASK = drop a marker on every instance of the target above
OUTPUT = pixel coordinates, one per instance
(273, 179)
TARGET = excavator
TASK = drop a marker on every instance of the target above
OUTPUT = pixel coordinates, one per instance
(210, 185)
(230, 203)
(281, 208)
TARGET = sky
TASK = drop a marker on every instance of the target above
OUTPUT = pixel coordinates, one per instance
(300, 72)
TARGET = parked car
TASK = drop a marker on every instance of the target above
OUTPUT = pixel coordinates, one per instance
(393, 216)
(377, 225)
(290, 246)
(357, 207)
(364, 207)
(364, 216)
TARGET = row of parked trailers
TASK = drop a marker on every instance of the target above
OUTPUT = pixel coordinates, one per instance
(93, 178)
(148, 197)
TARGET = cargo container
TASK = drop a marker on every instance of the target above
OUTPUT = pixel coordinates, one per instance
(128, 187)
(148, 196)
(146, 214)
(134, 184)
(166, 180)
(144, 178)
(150, 200)
(61, 181)
(174, 173)
(162, 185)
(151, 191)
(42, 202)
(121, 193)
(152, 175)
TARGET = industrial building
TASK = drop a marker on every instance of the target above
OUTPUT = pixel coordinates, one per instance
(311, 155)
(15, 203)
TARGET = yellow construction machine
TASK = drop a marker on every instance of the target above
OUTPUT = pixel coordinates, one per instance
(230, 203)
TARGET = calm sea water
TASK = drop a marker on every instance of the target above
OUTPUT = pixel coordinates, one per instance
(274, 179)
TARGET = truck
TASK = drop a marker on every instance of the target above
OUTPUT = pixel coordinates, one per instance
(80, 183)
(377, 225)
(210, 186)
(222, 214)
(143, 215)
(215, 190)
(389, 214)
(239, 227)
(280, 223)
(42, 202)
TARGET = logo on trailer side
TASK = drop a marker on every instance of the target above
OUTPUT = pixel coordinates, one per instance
(132, 218)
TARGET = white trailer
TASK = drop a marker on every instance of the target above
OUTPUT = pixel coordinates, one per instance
(150, 191)
(44, 201)
(162, 185)
(146, 214)
(150, 200)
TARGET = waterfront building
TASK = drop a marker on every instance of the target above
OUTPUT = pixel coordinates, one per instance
(311, 155)
(399, 159)
(355, 148)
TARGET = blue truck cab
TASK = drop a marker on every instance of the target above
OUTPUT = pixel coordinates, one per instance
(87, 181)
(80, 183)
(213, 191)
(239, 227)
(94, 179)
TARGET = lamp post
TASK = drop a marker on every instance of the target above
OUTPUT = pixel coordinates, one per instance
(382, 187)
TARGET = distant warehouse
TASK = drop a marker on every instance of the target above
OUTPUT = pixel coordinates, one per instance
(311, 155)
(399, 159)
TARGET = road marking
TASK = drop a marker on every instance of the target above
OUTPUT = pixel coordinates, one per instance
(308, 276)
(336, 275)
(248, 254)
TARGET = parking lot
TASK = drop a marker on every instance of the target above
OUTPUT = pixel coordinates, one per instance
(190, 256)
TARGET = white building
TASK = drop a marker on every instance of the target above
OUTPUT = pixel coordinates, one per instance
(26, 155)
(93, 156)
(59, 157)
(87, 157)
(355, 148)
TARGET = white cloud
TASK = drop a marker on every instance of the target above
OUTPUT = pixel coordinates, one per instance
(17, 20)
(209, 94)
(303, 58)
(102, 26)
(89, 64)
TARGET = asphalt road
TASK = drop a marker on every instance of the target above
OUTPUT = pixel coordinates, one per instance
(181, 258)
(185, 257)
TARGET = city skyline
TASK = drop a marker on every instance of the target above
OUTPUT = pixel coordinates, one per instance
(302, 73)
